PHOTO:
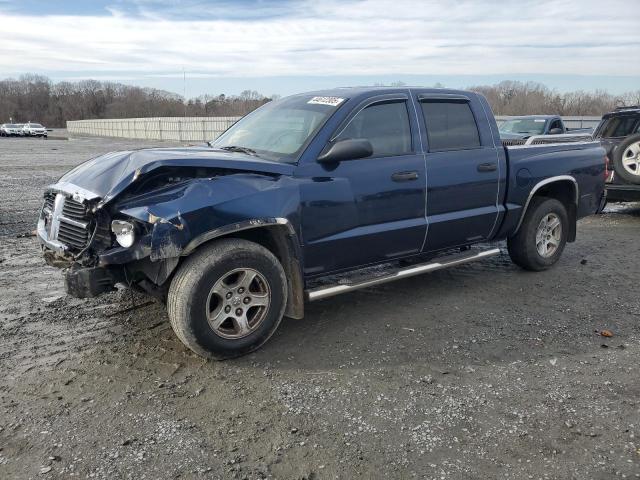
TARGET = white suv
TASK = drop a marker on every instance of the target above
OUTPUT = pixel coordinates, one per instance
(34, 130)
(10, 130)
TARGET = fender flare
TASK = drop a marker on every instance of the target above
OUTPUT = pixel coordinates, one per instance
(288, 251)
(545, 182)
(237, 227)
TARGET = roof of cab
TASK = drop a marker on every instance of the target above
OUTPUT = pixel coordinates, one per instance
(368, 91)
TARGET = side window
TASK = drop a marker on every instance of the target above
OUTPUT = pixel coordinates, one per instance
(450, 125)
(385, 125)
(555, 124)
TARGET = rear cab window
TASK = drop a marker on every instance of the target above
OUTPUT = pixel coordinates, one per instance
(450, 125)
(555, 124)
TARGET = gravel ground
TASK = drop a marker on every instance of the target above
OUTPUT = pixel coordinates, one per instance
(482, 371)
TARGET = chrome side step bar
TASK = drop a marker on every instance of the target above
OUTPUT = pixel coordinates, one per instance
(445, 262)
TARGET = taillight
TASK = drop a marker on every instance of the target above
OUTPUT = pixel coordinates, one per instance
(608, 175)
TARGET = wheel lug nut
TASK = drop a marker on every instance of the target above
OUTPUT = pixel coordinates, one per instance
(229, 295)
(227, 309)
(238, 311)
(241, 290)
(247, 300)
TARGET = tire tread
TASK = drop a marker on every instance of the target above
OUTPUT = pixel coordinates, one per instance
(521, 250)
(187, 278)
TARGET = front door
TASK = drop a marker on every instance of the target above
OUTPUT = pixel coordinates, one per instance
(368, 210)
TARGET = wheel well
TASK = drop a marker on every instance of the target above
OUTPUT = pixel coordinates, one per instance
(278, 240)
(565, 192)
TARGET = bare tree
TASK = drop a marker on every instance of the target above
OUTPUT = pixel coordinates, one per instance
(529, 98)
(36, 98)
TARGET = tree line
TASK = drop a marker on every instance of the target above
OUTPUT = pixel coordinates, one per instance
(530, 98)
(36, 98)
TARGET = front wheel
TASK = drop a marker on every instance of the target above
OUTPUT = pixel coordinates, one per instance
(227, 299)
(539, 242)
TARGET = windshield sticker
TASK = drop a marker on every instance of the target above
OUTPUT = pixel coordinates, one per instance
(331, 101)
(539, 120)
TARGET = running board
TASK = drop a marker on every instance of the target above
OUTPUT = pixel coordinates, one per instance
(445, 262)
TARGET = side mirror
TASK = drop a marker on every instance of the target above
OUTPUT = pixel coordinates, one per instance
(349, 149)
(555, 131)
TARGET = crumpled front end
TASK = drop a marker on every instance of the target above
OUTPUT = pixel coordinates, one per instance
(75, 231)
(72, 232)
(138, 237)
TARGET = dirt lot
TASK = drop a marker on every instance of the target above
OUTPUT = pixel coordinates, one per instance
(482, 371)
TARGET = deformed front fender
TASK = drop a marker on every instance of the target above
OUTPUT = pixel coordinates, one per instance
(238, 227)
(180, 218)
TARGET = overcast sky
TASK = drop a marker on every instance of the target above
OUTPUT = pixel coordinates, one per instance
(285, 47)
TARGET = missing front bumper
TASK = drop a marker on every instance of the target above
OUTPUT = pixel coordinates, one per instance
(89, 282)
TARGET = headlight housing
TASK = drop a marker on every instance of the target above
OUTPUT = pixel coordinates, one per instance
(125, 232)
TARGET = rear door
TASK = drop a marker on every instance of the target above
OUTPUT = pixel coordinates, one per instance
(463, 171)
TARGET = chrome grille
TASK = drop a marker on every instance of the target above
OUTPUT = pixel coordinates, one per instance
(74, 210)
(65, 221)
(76, 237)
(513, 142)
(49, 199)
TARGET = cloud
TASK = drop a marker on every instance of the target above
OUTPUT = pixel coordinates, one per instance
(348, 37)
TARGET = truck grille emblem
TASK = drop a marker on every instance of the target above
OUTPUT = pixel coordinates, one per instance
(54, 216)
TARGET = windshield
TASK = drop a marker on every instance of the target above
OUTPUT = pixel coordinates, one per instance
(281, 129)
(35, 125)
(531, 126)
(620, 126)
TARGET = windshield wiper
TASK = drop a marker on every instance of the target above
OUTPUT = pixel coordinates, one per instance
(236, 148)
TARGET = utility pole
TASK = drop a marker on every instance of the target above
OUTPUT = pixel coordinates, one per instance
(184, 90)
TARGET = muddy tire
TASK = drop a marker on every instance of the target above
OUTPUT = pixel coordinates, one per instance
(227, 299)
(539, 242)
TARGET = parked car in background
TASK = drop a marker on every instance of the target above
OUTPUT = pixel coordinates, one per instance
(34, 130)
(11, 130)
(619, 134)
(523, 127)
(299, 199)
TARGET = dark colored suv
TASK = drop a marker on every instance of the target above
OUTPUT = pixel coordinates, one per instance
(619, 133)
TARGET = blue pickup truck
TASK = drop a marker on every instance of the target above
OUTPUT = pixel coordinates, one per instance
(525, 126)
(311, 196)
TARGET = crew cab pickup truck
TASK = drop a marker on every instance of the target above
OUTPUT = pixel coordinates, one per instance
(311, 196)
(523, 127)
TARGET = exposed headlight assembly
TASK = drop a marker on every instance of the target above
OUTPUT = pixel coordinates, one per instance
(125, 232)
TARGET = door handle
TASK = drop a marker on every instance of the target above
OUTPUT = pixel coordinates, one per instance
(487, 167)
(404, 176)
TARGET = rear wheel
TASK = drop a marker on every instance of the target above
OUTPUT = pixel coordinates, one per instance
(227, 299)
(539, 242)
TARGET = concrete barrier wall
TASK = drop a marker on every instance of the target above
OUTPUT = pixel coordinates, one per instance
(182, 129)
(202, 129)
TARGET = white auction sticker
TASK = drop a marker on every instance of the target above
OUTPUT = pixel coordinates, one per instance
(331, 101)
(539, 120)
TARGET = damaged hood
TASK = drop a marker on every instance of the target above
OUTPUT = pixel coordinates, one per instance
(108, 175)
